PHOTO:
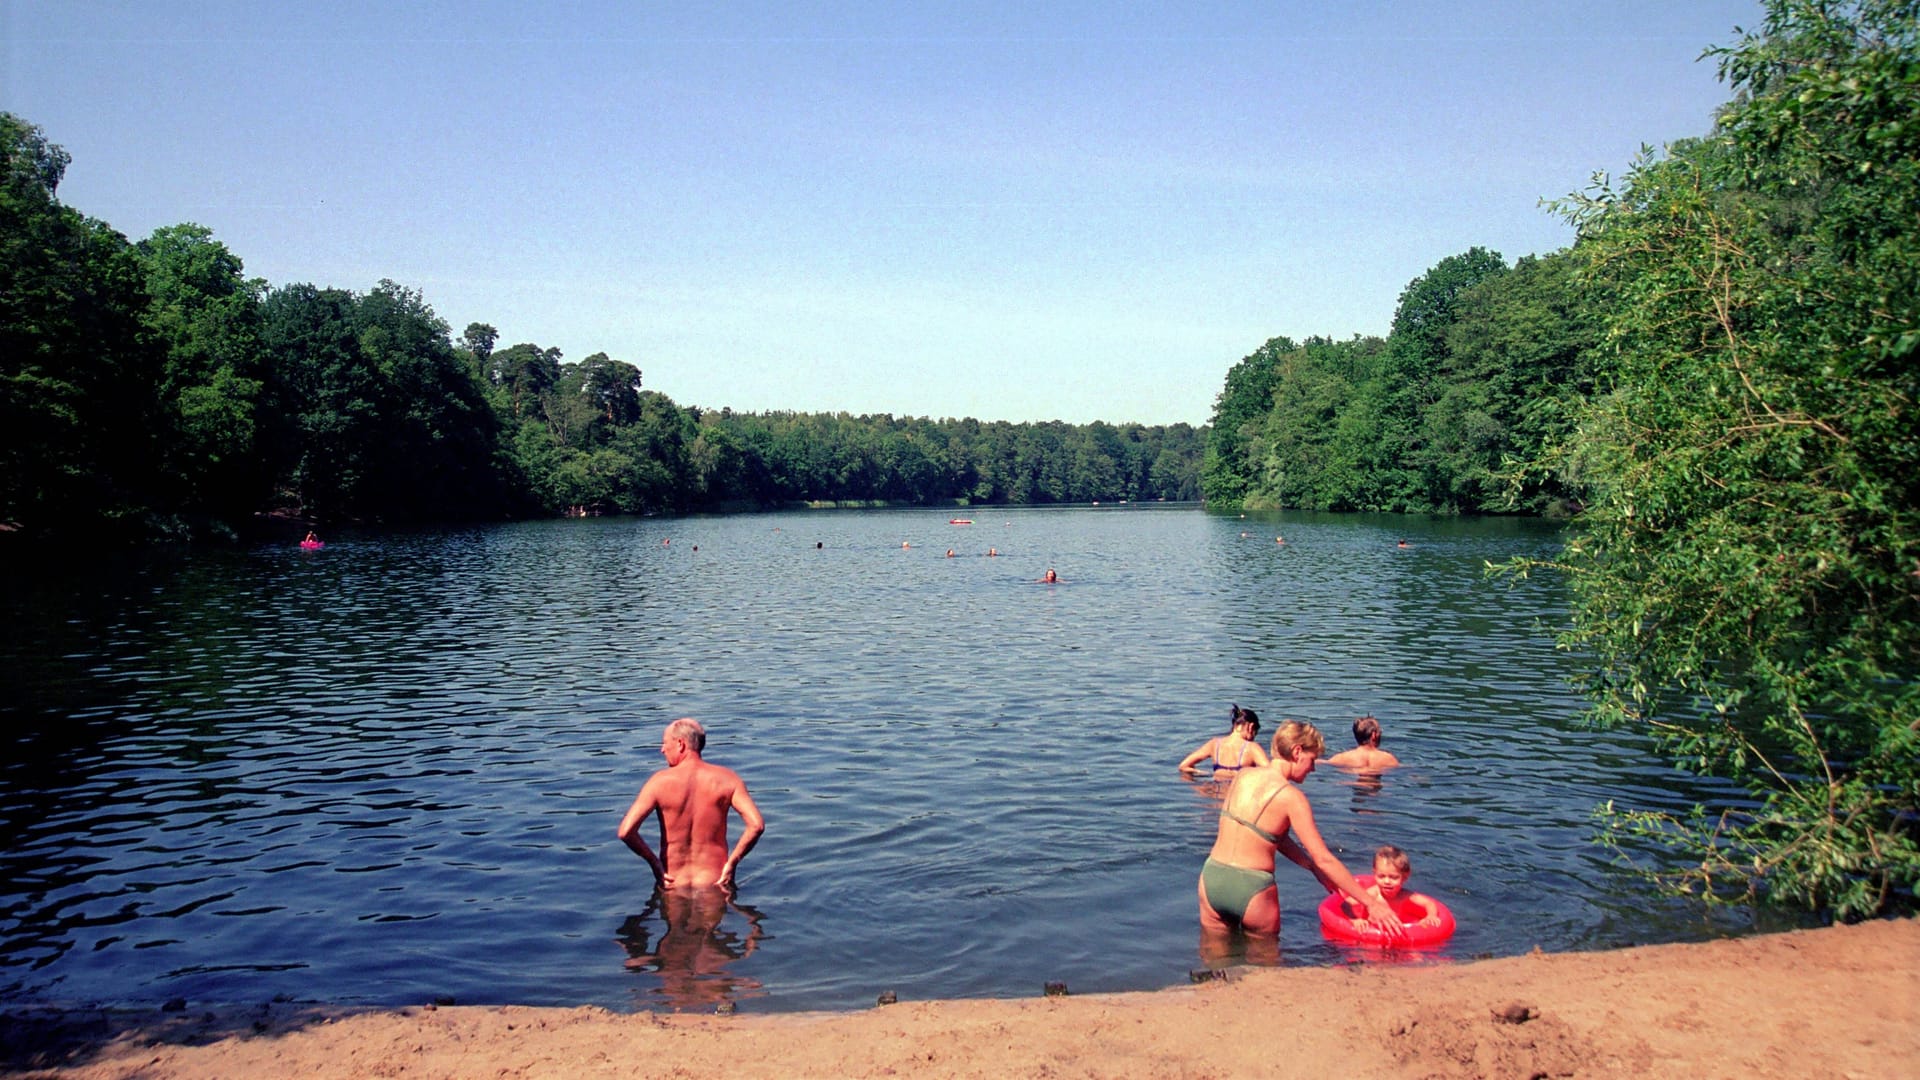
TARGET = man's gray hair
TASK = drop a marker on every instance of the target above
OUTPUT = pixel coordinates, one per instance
(688, 730)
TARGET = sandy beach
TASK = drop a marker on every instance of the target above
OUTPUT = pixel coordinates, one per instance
(1835, 1002)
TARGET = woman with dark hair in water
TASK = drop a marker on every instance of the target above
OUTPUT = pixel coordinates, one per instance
(1233, 751)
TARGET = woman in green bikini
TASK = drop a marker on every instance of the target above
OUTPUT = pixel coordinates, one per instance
(1265, 813)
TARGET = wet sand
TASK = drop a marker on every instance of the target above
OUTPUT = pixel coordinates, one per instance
(1837, 1002)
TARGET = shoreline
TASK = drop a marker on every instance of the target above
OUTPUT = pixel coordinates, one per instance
(1837, 1001)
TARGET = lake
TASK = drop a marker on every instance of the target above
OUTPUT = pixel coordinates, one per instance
(390, 771)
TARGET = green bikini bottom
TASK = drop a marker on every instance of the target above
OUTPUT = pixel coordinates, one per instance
(1231, 888)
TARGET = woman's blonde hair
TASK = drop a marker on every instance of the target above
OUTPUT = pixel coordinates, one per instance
(1293, 736)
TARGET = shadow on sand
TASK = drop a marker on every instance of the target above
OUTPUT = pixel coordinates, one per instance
(57, 1037)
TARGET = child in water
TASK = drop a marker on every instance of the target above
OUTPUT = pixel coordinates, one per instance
(1391, 869)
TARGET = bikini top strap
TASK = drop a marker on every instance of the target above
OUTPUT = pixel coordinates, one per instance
(1271, 795)
(1253, 823)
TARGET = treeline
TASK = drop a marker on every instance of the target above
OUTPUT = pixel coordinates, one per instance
(586, 437)
(1482, 370)
(153, 388)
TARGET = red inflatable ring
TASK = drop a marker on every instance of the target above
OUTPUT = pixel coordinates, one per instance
(1337, 925)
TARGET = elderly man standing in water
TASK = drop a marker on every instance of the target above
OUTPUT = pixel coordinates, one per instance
(693, 799)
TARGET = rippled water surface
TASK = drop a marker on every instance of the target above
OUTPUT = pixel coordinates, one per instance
(390, 770)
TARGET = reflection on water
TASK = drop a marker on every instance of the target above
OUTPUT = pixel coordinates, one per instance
(1222, 951)
(238, 775)
(1365, 787)
(679, 942)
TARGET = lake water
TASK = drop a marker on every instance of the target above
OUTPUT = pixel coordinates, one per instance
(390, 770)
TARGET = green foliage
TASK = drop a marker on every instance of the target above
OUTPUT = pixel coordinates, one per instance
(376, 417)
(77, 363)
(585, 438)
(1417, 371)
(322, 397)
(1485, 365)
(1301, 453)
(1521, 358)
(1746, 573)
(1227, 474)
(207, 317)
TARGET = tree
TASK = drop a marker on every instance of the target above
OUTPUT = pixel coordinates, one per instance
(1226, 473)
(1746, 574)
(323, 399)
(376, 416)
(206, 314)
(1301, 451)
(1416, 374)
(1521, 357)
(77, 364)
(434, 447)
(527, 373)
(478, 339)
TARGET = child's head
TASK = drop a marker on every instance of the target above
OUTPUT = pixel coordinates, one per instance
(1366, 731)
(1391, 869)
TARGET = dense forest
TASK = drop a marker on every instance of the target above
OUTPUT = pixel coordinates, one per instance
(151, 388)
(1482, 370)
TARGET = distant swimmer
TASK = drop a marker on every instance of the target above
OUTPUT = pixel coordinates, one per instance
(904, 545)
(1051, 578)
(1367, 756)
(1279, 539)
(991, 552)
(818, 544)
(665, 542)
(693, 799)
(949, 553)
(1403, 543)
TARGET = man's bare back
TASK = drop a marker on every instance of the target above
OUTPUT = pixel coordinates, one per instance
(693, 799)
(1366, 754)
(1364, 758)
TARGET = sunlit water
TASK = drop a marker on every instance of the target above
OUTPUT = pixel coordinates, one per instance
(390, 771)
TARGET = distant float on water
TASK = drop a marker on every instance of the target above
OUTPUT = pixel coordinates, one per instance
(959, 521)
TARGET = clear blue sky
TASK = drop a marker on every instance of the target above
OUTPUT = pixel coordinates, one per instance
(1017, 212)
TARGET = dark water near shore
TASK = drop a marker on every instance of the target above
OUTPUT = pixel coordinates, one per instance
(391, 770)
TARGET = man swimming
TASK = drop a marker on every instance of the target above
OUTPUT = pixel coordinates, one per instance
(693, 799)
(1366, 754)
